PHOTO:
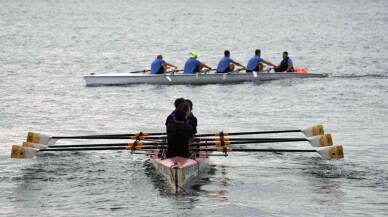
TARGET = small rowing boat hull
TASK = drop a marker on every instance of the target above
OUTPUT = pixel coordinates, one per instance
(169, 79)
(179, 170)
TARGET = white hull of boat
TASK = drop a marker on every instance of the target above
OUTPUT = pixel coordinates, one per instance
(215, 78)
(177, 171)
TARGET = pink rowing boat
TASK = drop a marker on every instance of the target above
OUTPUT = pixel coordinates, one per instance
(179, 170)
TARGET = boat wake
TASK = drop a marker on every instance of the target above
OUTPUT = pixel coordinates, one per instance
(353, 76)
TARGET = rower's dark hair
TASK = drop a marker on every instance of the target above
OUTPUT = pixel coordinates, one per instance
(286, 52)
(226, 53)
(180, 115)
(190, 103)
(178, 101)
(257, 52)
(184, 106)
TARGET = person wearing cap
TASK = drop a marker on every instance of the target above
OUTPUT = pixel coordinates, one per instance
(193, 65)
(227, 64)
(256, 63)
(285, 65)
(159, 66)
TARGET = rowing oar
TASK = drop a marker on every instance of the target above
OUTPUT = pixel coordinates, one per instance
(208, 70)
(174, 71)
(316, 141)
(236, 71)
(326, 153)
(23, 152)
(51, 140)
(129, 144)
(308, 132)
(20, 152)
(144, 70)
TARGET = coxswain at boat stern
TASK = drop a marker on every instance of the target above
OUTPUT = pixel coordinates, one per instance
(159, 66)
(286, 64)
(179, 135)
(193, 65)
(227, 64)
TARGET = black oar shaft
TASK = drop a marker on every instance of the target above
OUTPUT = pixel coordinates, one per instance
(105, 145)
(99, 149)
(261, 141)
(88, 145)
(84, 149)
(256, 139)
(252, 133)
(111, 136)
(203, 143)
(164, 137)
(125, 136)
(256, 150)
(163, 147)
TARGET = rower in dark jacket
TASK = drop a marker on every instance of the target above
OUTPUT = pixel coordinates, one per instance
(186, 105)
(179, 135)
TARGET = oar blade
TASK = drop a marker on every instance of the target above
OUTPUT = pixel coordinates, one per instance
(40, 138)
(20, 152)
(331, 153)
(321, 140)
(35, 145)
(313, 131)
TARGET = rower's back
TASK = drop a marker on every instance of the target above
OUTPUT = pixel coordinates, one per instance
(178, 136)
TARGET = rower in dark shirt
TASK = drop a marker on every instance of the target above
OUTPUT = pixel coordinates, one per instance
(179, 136)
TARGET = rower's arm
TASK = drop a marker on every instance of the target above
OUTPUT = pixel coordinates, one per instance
(288, 68)
(236, 63)
(269, 63)
(204, 65)
(169, 64)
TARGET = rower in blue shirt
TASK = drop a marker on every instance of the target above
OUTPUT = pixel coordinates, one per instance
(227, 64)
(159, 66)
(193, 65)
(285, 65)
(256, 63)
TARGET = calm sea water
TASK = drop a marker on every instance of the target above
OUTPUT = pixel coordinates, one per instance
(47, 46)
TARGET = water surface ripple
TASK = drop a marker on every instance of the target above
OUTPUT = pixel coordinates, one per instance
(47, 46)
